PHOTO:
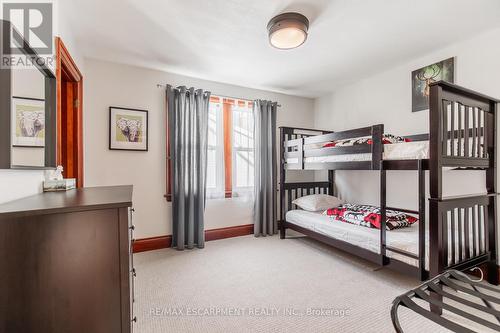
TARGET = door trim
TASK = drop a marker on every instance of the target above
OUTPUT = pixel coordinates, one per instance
(65, 64)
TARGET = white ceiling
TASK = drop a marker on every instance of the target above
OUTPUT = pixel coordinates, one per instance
(226, 40)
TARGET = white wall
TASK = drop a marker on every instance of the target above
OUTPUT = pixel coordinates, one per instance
(109, 84)
(386, 98)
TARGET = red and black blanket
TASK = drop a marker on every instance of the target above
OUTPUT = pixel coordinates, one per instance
(369, 216)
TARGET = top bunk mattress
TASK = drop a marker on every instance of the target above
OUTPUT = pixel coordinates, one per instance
(396, 151)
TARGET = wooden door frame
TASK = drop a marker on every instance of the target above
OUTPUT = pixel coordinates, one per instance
(66, 64)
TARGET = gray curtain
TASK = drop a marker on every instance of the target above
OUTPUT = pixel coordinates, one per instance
(265, 222)
(188, 130)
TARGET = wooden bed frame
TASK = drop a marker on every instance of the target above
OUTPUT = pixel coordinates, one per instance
(449, 104)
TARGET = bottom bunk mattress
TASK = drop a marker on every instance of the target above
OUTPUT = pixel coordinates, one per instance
(405, 239)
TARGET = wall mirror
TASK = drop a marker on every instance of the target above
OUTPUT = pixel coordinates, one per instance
(27, 108)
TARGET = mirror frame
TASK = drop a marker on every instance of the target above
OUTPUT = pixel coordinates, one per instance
(6, 104)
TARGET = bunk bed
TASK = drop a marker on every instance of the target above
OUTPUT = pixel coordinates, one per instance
(461, 231)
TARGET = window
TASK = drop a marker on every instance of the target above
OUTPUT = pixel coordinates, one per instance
(215, 154)
(243, 147)
(230, 162)
(230, 151)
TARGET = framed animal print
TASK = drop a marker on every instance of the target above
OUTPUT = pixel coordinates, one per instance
(128, 129)
(28, 122)
(422, 78)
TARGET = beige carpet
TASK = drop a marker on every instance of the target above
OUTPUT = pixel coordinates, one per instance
(249, 284)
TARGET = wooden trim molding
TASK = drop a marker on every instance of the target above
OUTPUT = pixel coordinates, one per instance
(236, 231)
(162, 242)
(152, 243)
(227, 117)
(69, 147)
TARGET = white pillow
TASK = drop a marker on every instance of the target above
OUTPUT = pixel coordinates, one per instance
(317, 202)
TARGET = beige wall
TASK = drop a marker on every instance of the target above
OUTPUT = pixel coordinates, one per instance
(110, 84)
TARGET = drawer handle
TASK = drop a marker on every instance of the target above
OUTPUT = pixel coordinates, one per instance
(132, 209)
(132, 227)
(134, 319)
(133, 272)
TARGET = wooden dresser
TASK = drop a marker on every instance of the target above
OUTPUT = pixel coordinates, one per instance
(66, 262)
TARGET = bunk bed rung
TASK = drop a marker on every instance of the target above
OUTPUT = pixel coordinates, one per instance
(356, 149)
(295, 185)
(405, 164)
(402, 252)
(409, 211)
(355, 133)
(362, 165)
(460, 161)
(473, 262)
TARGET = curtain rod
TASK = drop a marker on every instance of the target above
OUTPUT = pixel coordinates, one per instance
(159, 85)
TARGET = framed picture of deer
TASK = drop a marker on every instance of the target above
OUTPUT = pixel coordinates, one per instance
(423, 77)
(28, 122)
(128, 129)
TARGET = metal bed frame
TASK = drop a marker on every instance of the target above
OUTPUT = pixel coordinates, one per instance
(459, 288)
(462, 135)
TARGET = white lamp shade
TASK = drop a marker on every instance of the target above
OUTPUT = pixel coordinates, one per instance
(288, 38)
(288, 30)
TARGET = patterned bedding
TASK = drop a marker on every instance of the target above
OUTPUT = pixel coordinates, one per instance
(369, 216)
(366, 140)
(405, 239)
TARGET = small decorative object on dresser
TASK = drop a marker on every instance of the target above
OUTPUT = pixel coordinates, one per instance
(28, 122)
(128, 129)
(54, 181)
(59, 185)
(423, 77)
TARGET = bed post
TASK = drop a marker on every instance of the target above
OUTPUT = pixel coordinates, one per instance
(436, 261)
(331, 182)
(377, 146)
(436, 264)
(378, 164)
(383, 213)
(421, 220)
(282, 183)
(491, 187)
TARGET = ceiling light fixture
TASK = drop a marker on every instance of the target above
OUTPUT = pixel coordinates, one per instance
(288, 30)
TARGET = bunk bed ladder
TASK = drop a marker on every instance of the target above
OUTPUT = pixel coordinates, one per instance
(421, 221)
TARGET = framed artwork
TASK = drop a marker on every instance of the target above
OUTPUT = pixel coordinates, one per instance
(423, 77)
(28, 122)
(128, 129)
